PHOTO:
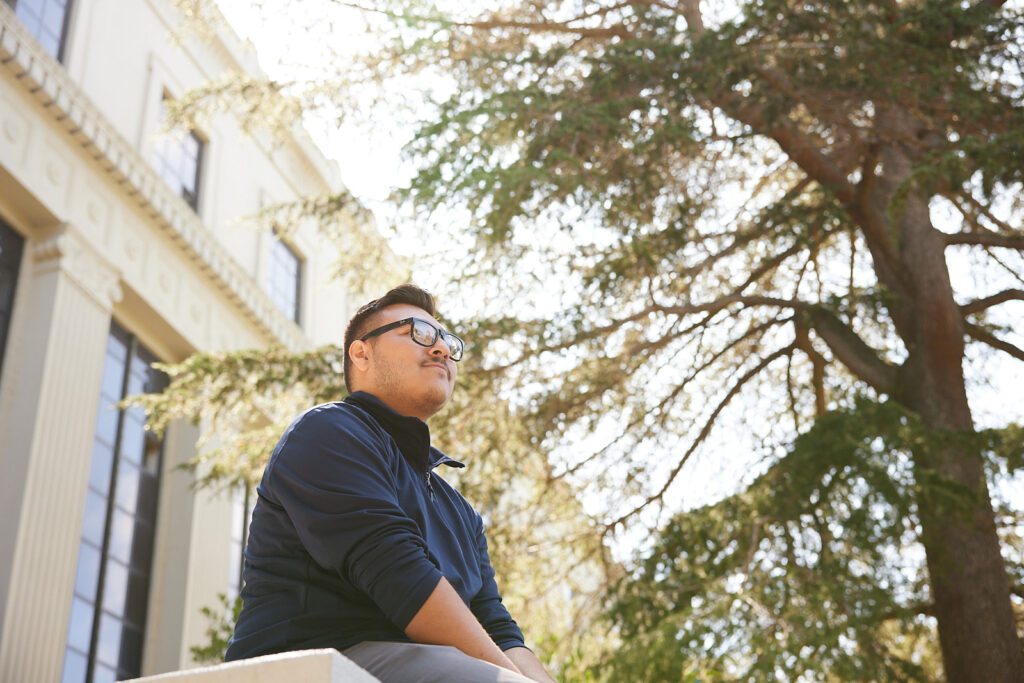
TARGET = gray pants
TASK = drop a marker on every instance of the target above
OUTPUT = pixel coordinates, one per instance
(416, 663)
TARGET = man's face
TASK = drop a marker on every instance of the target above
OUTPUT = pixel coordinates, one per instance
(412, 379)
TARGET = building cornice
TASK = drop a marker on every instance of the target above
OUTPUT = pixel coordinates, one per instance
(46, 80)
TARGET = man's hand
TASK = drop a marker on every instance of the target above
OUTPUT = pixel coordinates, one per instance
(445, 620)
(528, 664)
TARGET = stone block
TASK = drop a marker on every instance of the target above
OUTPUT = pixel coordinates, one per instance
(304, 666)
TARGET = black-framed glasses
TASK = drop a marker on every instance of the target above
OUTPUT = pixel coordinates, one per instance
(424, 334)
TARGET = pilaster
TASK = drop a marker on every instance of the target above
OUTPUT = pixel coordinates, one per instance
(170, 607)
(56, 367)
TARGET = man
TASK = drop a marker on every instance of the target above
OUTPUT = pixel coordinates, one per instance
(356, 543)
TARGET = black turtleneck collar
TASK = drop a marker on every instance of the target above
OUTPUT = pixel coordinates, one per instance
(410, 433)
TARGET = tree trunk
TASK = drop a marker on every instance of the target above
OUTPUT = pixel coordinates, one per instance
(969, 585)
(968, 578)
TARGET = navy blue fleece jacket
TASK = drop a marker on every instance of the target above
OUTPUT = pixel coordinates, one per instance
(353, 530)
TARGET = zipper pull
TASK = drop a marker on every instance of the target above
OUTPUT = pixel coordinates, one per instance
(430, 487)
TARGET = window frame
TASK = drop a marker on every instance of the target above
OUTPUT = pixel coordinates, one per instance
(62, 39)
(277, 244)
(243, 501)
(11, 256)
(162, 163)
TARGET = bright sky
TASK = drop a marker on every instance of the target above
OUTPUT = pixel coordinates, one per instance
(369, 159)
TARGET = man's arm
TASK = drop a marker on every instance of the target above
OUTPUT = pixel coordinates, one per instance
(445, 620)
(487, 607)
(528, 664)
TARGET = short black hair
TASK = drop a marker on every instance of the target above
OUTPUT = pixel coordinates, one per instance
(408, 294)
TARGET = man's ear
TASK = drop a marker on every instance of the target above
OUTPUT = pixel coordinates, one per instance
(359, 353)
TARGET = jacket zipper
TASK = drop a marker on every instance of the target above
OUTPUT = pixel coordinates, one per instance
(430, 487)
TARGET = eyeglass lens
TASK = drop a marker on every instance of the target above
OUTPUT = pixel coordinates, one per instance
(425, 334)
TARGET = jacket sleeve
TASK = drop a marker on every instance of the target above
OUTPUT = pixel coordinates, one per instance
(331, 476)
(486, 605)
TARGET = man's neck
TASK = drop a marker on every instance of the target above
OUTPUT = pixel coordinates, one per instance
(410, 433)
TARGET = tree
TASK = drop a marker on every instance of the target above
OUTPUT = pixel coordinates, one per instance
(742, 206)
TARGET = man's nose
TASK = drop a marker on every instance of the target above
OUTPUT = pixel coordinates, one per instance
(441, 348)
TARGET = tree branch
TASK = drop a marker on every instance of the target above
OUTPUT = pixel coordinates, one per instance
(638, 421)
(495, 23)
(726, 301)
(851, 351)
(824, 108)
(705, 431)
(803, 150)
(982, 335)
(803, 342)
(992, 4)
(874, 226)
(1010, 270)
(980, 210)
(988, 239)
(681, 311)
(994, 300)
(560, 26)
(544, 27)
(690, 10)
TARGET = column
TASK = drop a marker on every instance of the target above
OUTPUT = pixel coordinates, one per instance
(166, 647)
(57, 363)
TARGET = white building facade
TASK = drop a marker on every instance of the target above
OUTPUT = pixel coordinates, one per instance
(120, 245)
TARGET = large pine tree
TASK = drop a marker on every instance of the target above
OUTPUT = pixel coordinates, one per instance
(768, 186)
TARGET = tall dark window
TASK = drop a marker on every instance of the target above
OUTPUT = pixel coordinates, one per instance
(241, 516)
(47, 20)
(108, 611)
(178, 159)
(285, 282)
(11, 245)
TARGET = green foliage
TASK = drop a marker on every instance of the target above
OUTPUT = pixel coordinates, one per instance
(261, 104)
(814, 570)
(221, 624)
(1006, 446)
(244, 400)
(638, 121)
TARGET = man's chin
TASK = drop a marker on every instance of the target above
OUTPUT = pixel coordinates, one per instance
(437, 398)
(442, 397)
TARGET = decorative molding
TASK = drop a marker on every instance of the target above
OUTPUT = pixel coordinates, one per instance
(12, 130)
(45, 79)
(73, 255)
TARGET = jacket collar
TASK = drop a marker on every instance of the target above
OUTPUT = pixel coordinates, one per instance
(410, 433)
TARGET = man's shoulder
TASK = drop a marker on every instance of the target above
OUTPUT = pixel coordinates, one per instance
(337, 419)
(339, 413)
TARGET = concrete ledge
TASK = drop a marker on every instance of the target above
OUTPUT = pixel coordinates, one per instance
(305, 666)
